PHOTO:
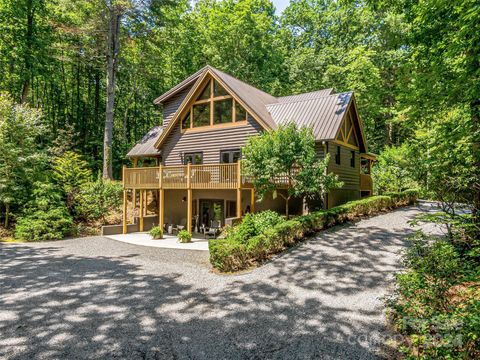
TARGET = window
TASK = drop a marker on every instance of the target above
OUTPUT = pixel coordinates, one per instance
(222, 112)
(193, 158)
(201, 114)
(240, 112)
(218, 89)
(352, 159)
(337, 156)
(213, 98)
(186, 121)
(230, 156)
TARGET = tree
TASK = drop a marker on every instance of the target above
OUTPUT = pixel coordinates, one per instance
(287, 153)
(23, 160)
(393, 170)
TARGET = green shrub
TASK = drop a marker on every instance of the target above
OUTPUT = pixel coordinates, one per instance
(53, 224)
(184, 236)
(98, 199)
(436, 304)
(156, 232)
(254, 224)
(261, 235)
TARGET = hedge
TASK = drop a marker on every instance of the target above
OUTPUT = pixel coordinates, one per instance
(229, 254)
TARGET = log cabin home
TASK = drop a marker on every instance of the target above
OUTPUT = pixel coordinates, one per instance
(190, 164)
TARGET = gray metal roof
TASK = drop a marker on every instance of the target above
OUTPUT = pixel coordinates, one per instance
(322, 114)
(305, 96)
(146, 146)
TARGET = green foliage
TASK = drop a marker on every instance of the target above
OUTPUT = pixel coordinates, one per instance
(45, 217)
(22, 160)
(254, 224)
(261, 235)
(156, 232)
(53, 224)
(184, 236)
(289, 152)
(98, 199)
(70, 171)
(393, 170)
(436, 304)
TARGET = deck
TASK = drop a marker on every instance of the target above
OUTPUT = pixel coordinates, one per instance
(213, 176)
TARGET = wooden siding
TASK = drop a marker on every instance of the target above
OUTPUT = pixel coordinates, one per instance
(210, 142)
(172, 104)
(349, 175)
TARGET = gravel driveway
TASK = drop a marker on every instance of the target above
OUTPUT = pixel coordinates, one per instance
(98, 298)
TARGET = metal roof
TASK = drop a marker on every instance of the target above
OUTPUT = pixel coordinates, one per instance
(146, 146)
(305, 96)
(322, 114)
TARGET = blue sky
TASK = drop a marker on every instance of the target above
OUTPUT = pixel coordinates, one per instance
(280, 5)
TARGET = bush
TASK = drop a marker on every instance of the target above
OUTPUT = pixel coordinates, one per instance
(98, 199)
(53, 224)
(436, 304)
(261, 235)
(253, 225)
(156, 233)
(184, 236)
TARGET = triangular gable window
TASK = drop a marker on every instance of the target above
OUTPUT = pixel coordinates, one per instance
(213, 106)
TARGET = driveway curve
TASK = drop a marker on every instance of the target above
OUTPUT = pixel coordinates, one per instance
(98, 298)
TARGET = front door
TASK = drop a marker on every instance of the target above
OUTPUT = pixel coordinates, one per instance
(211, 210)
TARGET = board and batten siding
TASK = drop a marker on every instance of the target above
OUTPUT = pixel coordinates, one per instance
(209, 142)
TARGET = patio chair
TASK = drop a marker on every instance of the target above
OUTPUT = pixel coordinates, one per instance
(213, 230)
(181, 226)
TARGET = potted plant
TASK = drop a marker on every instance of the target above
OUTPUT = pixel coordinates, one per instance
(184, 236)
(156, 233)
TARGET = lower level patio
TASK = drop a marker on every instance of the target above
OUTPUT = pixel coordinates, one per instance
(168, 241)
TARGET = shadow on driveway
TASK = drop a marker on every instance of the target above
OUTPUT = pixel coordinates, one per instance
(319, 300)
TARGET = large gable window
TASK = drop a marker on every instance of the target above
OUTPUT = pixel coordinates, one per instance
(213, 106)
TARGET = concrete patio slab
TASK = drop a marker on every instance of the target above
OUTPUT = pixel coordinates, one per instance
(168, 242)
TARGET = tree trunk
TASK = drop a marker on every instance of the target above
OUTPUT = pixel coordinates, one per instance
(28, 52)
(286, 207)
(7, 214)
(112, 57)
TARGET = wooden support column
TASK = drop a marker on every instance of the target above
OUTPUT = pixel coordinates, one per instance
(239, 189)
(134, 194)
(124, 219)
(252, 201)
(140, 226)
(125, 202)
(161, 197)
(161, 210)
(189, 199)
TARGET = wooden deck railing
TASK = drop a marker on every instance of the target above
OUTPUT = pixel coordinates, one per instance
(215, 176)
(366, 183)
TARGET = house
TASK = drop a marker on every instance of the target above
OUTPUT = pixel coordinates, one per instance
(191, 165)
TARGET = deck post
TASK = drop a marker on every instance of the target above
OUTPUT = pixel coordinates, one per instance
(134, 195)
(161, 196)
(125, 202)
(124, 215)
(252, 201)
(239, 190)
(189, 198)
(140, 227)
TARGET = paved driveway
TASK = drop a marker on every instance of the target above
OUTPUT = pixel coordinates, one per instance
(98, 298)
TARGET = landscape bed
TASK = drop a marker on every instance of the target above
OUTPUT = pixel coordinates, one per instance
(239, 251)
